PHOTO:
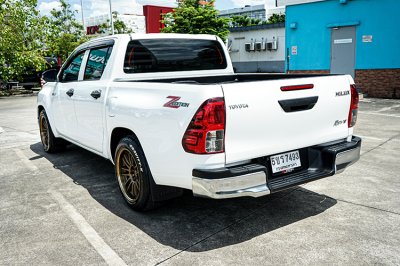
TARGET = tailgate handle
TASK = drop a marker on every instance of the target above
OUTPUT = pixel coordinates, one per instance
(299, 104)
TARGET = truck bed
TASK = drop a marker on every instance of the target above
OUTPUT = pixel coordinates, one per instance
(236, 78)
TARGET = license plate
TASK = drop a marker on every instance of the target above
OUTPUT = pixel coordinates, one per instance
(285, 162)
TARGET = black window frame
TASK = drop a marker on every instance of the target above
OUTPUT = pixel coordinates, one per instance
(69, 61)
(159, 68)
(83, 48)
(108, 55)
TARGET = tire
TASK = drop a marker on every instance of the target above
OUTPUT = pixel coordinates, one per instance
(133, 175)
(50, 143)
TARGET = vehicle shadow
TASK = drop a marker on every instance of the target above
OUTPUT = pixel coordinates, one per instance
(189, 223)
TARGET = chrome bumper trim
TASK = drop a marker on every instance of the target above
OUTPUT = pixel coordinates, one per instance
(252, 185)
(346, 158)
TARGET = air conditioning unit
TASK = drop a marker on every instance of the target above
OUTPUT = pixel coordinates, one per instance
(249, 46)
(258, 46)
(263, 46)
(272, 45)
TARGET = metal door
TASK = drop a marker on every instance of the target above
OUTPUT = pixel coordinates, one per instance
(343, 44)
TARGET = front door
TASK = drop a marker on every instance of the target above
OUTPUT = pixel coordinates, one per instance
(63, 97)
(89, 99)
(343, 43)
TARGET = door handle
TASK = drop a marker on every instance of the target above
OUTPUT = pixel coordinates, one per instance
(299, 104)
(96, 94)
(70, 92)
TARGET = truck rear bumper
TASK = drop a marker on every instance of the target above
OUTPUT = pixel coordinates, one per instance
(256, 179)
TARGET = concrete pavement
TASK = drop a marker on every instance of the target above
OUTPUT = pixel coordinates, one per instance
(66, 208)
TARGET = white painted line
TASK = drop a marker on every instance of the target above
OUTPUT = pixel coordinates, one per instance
(1, 130)
(372, 113)
(105, 251)
(388, 108)
(29, 164)
(371, 138)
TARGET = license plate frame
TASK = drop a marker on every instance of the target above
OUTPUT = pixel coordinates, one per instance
(285, 162)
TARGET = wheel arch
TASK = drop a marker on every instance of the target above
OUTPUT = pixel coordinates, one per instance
(158, 193)
(39, 109)
(119, 133)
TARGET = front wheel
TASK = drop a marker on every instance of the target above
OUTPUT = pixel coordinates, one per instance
(133, 175)
(50, 143)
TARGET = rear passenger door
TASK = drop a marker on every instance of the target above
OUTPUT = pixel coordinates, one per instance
(89, 98)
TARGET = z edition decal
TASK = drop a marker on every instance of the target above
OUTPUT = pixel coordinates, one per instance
(174, 102)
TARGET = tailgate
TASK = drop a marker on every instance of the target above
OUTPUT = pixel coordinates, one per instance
(261, 119)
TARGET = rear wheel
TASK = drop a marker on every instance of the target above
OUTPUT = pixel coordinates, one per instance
(133, 175)
(50, 143)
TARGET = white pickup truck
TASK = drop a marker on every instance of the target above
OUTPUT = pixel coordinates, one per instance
(171, 114)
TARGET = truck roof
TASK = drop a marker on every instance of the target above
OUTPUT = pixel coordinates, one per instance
(137, 36)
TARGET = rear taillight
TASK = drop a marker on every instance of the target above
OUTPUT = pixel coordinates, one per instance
(205, 133)
(353, 106)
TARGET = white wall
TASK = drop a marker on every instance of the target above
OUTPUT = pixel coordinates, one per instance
(276, 10)
(135, 22)
(238, 39)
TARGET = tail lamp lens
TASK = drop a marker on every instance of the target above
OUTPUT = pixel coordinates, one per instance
(206, 131)
(353, 106)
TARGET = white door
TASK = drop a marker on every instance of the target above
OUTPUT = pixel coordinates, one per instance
(89, 99)
(64, 93)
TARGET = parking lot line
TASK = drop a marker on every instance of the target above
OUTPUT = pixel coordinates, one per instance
(380, 114)
(104, 250)
(25, 160)
(384, 109)
(367, 137)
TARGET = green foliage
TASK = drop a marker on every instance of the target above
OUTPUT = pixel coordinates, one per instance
(119, 26)
(64, 33)
(194, 18)
(26, 36)
(245, 21)
(21, 38)
(276, 18)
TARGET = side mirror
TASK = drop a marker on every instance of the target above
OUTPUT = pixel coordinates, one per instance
(49, 75)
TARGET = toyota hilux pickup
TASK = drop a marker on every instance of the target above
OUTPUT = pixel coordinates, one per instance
(171, 114)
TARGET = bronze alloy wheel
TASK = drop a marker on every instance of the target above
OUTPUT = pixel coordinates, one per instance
(129, 174)
(44, 132)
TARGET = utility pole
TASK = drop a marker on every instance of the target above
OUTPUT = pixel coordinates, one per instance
(111, 19)
(83, 22)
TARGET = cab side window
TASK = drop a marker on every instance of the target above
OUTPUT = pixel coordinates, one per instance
(97, 61)
(71, 71)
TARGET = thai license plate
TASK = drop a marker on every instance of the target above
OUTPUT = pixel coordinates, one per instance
(285, 162)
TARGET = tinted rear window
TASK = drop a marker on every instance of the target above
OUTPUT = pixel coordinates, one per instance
(143, 56)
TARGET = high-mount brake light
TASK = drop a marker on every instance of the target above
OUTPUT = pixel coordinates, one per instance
(206, 131)
(353, 106)
(297, 87)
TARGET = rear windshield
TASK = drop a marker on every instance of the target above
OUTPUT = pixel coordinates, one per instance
(165, 55)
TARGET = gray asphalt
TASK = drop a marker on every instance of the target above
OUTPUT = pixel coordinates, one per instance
(66, 209)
